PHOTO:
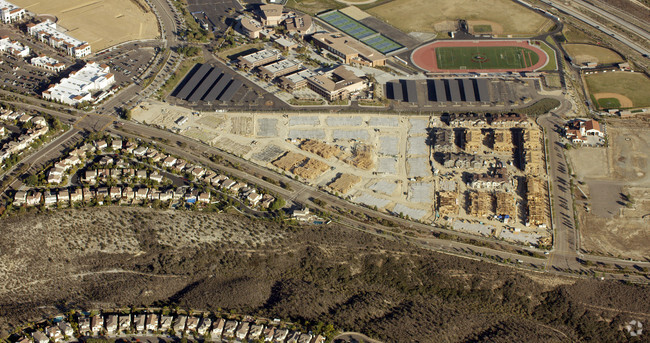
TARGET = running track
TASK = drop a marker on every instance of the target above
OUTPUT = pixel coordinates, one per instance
(424, 57)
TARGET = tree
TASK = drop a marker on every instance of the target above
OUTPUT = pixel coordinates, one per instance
(277, 204)
(32, 180)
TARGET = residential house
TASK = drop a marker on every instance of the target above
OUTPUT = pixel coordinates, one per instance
(96, 323)
(34, 199)
(217, 328)
(141, 194)
(141, 174)
(140, 151)
(40, 337)
(49, 198)
(88, 194)
(198, 172)
(179, 324)
(20, 198)
(242, 330)
(237, 187)
(318, 339)
(102, 193)
(253, 198)
(166, 195)
(305, 338)
(280, 335)
(124, 323)
(204, 197)
(101, 144)
(76, 195)
(169, 162)
(90, 176)
(156, 177)
(227, 184)
(63, 197)
(115, 193)
(269, 333)
(165, 322)
(106, 160)
(66, 328)
(229, 329)
(139, 322)
(151, 323)
(267, 200)
(192, 323)
(116, 144)
(255, 331)
(84, 324)
(204, 326)
(54, 333)
(293, 337)
(111, 324)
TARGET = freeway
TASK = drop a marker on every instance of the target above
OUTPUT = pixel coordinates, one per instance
(576, 14)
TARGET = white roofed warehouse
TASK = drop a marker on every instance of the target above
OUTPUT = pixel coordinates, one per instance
(80, 85)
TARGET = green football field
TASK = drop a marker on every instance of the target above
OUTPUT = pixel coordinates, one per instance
(488, 57)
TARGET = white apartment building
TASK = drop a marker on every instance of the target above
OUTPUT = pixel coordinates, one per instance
(10, 13)
(13, 47)
(80, 85)
(48, 63)
(47, 32)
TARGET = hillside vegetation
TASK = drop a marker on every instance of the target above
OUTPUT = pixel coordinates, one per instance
(106, 257)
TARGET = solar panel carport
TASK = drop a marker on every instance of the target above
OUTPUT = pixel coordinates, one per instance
(203, 88)
(218, 88)
(193, 82)
(230, 90)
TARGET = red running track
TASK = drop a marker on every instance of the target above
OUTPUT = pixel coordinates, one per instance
(424, 57)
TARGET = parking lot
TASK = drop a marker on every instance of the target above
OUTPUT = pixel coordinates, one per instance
(129, 62)
(217, 14)
(20, 76)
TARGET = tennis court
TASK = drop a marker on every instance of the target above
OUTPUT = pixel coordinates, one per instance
(382, 44)
(360, 32)
(347, 25)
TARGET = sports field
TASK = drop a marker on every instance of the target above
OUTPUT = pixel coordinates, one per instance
(488, 57)
(504, 16)
(479, 56)
(619, 89)
(102, 23)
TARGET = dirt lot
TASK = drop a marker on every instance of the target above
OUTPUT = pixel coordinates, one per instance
(102, 23)
(617, 183)
(423, 15)
(392, 291)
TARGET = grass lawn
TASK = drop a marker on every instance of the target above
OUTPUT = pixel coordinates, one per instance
(552, 61)
(314, 6)
(506, 57)
(233, 53)
(482, 28)
(584, 52)
(609, 103)
(635, 86)
(422, 15)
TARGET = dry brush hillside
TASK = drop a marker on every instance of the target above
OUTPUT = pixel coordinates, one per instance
(104, 257)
